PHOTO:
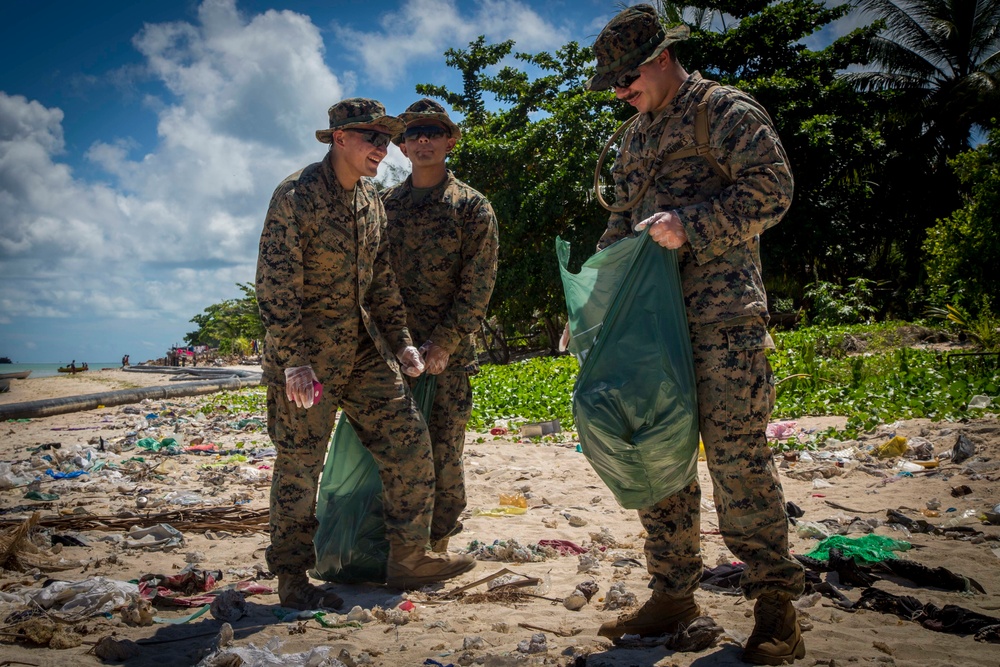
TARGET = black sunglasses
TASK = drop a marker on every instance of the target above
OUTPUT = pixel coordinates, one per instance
(626, 78)
(429, 131)
(374, 137)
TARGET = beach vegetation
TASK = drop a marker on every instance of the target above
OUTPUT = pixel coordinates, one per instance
(229, 326)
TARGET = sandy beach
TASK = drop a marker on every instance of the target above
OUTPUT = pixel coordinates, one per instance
(217, 502)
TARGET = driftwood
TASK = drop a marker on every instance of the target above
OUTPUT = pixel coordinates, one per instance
(232, 519)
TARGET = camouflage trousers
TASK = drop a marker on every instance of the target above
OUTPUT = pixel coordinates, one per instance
(390, 426)
(735, 399)
(449, 415)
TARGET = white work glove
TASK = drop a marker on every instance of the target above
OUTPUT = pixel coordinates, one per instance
(435, 357)
(302, 386)
(666, 229)
(410, 361)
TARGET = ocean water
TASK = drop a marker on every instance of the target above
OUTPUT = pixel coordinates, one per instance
(48, 370)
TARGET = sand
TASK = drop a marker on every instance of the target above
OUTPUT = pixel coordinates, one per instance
(566, 501)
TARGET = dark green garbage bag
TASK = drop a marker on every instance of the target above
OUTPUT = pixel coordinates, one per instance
(350, 540)
(635, 402)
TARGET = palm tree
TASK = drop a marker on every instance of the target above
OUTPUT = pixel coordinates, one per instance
(941, 58)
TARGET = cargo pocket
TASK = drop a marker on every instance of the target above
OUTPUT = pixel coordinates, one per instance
(749, 381)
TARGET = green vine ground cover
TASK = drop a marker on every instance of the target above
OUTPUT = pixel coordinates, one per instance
(820, 371)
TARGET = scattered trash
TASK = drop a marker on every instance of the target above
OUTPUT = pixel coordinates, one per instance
(161, 536)
(979, 401)
(229, 605)
(963, 449)
(536, 429)
(894, 447)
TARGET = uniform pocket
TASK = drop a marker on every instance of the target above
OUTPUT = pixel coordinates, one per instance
(749, 381)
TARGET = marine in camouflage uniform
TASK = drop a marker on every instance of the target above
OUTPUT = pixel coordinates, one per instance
(712, 215)
(331, 306)
(443, 248)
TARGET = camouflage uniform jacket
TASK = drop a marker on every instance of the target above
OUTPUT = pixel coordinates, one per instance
(720, 266)
(323, 277)
(444, 252)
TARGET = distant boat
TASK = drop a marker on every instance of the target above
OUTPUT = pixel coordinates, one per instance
(5, 360)
(71, 369)
(20, 375)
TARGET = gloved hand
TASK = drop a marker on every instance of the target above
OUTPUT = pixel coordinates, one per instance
(666, 229)
(410, 361)
(435, 357)
(302, 386)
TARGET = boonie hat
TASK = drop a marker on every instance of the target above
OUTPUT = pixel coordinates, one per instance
(630, 39)
(427, 109)
(359, 111)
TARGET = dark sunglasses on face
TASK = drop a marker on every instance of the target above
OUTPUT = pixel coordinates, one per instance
(429, 131)
(626, 78)
(374, 137)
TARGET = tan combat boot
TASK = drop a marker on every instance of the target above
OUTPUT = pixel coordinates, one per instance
(295, 591)
(776, 638)
(413, 566)
(660, 615)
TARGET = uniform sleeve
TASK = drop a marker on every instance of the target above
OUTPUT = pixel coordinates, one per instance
(761, 191)
(383, 295)
(279, 282)
(480, 242)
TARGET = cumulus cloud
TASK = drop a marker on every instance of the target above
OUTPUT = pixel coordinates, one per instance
(422, 28)
(172, 230)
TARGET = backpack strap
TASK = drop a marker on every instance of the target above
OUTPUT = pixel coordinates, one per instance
(702, 147)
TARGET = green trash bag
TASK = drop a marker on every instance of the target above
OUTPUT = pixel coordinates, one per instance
(635, 401)
(350, 539)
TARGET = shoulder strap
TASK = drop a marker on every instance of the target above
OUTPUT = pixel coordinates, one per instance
(702, 146)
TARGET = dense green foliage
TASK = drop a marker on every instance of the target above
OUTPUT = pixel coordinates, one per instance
(536, 389)
(963, 250)
(886, 382)
(230, 325)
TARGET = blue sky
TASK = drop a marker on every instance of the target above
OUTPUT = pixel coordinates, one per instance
(140, 143)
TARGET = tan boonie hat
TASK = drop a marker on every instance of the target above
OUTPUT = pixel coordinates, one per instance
(630, 39)
(359, 111)
(424, 110)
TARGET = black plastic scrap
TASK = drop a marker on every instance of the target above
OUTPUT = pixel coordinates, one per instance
(950, 618)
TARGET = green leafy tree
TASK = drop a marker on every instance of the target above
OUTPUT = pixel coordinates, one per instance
(834, 146)
(534, 159)
(935, 76)
(963, 249)
(223, 325)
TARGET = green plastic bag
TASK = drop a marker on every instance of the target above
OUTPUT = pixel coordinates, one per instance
(864, 550)
(635, 401)
(350, 539)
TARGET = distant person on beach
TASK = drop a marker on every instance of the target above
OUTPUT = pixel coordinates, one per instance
(337, 336)
(72, 366)
(443, 243)
(703, 168)
(125, 361)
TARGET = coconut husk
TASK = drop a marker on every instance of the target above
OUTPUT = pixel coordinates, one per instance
(19, 553)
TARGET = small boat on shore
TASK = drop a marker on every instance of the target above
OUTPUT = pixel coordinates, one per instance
(72, 369)
(20, 375)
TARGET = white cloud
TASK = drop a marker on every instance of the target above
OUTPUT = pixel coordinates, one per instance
(172, 230)
(425, 28)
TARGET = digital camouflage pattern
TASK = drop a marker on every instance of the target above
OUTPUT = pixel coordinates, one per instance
(633, 37)
(720, 266)
(388, 423)
(328, 299)
(727, 314)
(359, 111)
(323, 276)
(444, 253)
(449, 416)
